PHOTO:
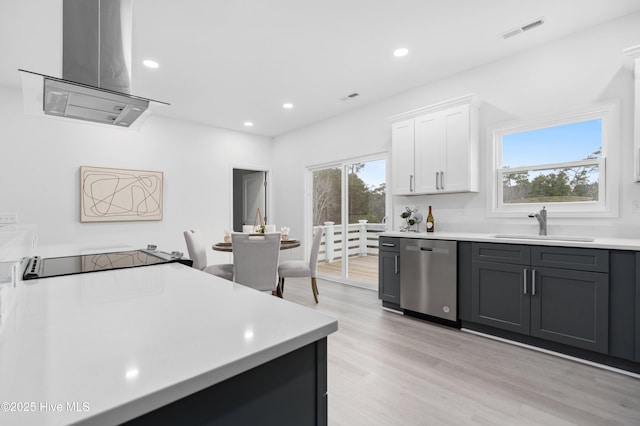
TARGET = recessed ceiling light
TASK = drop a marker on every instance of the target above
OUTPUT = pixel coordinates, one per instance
(150, 64)
(287, 106)
(400, 52)
(248, 123)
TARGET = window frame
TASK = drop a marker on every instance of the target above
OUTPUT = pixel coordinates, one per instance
(607, 204)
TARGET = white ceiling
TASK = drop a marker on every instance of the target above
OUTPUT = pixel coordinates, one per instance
(223, 62)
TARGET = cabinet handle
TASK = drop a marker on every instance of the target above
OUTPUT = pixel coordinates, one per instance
(533, 282)
(525, 280)
(388, 245)
(410, 183)
(437, 186)
(396, 258)
(442, 180)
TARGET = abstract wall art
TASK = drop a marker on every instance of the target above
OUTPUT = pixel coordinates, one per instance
(117, 195)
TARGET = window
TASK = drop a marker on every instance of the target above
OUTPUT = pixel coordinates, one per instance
(559, 163)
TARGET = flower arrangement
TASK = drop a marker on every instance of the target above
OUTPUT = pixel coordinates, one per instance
(411, 217)
(285, 232)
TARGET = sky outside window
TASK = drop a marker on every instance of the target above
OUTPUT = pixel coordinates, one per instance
(558, 144)
(373, 173)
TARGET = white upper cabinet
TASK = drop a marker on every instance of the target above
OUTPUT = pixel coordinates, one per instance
(634, 52)
(402, 152)
(429, 152)
(435, 149)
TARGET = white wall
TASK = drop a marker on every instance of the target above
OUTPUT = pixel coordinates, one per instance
(39, 168)
(585, 68)
(40, 158)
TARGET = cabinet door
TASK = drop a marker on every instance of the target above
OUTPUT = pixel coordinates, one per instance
(500, 296)
(428, 147)
(455, 169)
(637, 279)
(402, 157)
(389, 276)
(571, 307)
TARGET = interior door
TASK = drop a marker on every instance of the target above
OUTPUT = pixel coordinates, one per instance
(253, 191)
(249, 194)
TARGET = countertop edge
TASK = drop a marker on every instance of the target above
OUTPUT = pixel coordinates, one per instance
(158, 399)
(598, 243)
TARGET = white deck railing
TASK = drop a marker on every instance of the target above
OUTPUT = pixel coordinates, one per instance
(362, 240)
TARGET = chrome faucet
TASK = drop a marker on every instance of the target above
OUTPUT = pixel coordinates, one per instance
(542, 220)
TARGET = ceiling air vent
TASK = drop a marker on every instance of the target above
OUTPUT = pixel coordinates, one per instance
(532, 25)
(522, 29)
(351, 96)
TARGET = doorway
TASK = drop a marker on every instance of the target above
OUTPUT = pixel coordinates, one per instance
(349, 203)
(249, 195)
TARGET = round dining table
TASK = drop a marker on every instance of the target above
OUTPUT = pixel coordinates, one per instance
(284, 245)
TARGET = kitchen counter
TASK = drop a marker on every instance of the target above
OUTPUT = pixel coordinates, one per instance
(598, 242)
(106, 347)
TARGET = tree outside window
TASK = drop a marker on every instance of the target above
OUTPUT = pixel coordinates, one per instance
(365, 201)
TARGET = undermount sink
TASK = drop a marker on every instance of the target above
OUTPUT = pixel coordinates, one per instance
(543, 237)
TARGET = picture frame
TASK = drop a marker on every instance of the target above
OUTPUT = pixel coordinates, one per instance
(120, 195)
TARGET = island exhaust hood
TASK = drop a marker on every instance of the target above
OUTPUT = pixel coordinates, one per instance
(96, 68)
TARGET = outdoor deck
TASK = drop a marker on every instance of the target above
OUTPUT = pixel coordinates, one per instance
(361, 268)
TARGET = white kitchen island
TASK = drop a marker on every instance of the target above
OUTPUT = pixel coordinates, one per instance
(108, 347)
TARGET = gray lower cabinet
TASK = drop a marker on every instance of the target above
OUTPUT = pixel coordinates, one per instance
(513, 288)
(389, 271)
(497, 296)
(637, 306)
(571, 307)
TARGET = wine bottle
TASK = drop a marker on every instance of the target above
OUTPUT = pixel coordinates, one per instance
(430, 222)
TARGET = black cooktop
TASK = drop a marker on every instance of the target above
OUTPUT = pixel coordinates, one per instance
(38, 267)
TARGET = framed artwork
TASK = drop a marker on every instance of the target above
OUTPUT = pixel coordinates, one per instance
(118, 195)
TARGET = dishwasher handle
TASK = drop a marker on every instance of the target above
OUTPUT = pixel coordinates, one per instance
(428, 249)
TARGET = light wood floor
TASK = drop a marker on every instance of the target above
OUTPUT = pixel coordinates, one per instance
(387, 369)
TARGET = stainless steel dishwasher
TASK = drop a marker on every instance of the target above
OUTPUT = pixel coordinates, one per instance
(428, 282)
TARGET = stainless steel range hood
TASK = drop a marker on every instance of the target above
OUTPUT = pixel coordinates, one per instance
(96, 67)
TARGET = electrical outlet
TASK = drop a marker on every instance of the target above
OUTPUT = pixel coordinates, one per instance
(8, 218)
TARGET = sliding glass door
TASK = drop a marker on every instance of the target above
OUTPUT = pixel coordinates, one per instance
(349, 203)
(327, 215)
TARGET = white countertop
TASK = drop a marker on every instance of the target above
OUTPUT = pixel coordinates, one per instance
(598, 242)
(108, 346)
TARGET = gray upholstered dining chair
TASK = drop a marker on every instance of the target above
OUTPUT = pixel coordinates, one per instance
(302, 268)
(255, 260)
(198, 253)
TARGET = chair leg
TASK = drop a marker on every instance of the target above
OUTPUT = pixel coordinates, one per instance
(314, 288)
(281, 285)
(278, 290)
